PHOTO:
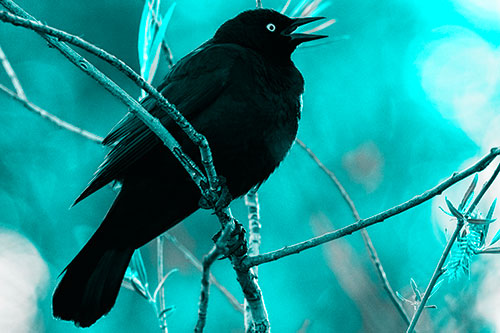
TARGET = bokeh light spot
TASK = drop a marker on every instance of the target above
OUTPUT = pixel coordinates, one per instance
(23, 279)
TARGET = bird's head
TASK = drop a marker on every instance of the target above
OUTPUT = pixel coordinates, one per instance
(266, 31)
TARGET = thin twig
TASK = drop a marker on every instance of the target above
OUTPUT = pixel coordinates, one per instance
(415, 201)
(254, 226)
(196, 263)
(12, 75)
(160, 244)
(23, 19)
(50, 117)
(439, 268)
(364, 233)
(435, 276)
(219, 248)
(248, 283)
(258, 3)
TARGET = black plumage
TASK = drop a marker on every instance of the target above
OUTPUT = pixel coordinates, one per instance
(242, 91)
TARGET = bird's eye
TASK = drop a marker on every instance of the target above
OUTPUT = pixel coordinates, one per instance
(271, 27)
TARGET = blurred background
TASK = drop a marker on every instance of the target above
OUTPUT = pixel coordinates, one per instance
(405, 93)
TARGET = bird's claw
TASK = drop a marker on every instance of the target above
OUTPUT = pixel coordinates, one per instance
(223, 199)
(237, 244)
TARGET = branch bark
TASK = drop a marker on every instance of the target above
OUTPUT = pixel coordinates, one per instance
(196, 263)
(438, 271)
(50, 117)
(52, 35)
(364, 233)
(248, 283)
(254, 226)
(218, 249)
(12, 75)
(415, 201)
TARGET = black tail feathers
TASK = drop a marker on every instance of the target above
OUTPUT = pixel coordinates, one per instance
(90, 285)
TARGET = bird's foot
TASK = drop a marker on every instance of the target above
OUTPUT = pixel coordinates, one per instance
(222, 200)
(236, 244)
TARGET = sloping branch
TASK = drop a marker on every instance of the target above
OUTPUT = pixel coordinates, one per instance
(52, 35)
(248, 283)
(218, 249)
(12, 75)
(50, 117)
(415, 201)
(438, 271)
(364, 233)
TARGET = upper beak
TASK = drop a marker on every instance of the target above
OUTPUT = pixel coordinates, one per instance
(299, 38)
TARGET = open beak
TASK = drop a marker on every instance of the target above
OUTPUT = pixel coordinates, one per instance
(299, 38)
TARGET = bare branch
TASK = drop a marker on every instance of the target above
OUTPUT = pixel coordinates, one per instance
(196, 263)
(415, 201)
(50, 117)
(23, 19)
(219, 248)
(364, 233)
(439, 268)
(248, 283)
(160, 244)
(12, 75)
(254, 226)
(258, 3)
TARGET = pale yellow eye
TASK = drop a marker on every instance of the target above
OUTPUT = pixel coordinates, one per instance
(271, 27)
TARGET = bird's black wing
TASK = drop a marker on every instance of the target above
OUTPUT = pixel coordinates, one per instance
(194, 83)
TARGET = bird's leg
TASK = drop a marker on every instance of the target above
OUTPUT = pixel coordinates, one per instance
(237, 244)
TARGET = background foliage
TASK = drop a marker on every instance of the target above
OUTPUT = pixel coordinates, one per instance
(406, 94)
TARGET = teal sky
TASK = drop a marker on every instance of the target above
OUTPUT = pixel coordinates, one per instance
(404, 94)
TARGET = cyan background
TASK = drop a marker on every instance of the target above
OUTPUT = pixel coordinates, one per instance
(405, 93)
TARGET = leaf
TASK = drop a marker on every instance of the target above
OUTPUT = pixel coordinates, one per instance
(162, 283)
(480, 221)
(447, 213)
(154, 52)
(285, 7)
(137, 264)
(146, 31)
(401, 297)
(131, 281)
(297, 8)
(436, 288)
(491, 210)
(321, 8)
(468, 194)
(453, 210)
(418, 295)
(165, 313)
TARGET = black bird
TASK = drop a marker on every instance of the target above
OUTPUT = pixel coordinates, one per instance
(242, 91)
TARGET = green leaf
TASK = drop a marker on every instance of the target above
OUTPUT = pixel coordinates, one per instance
(468, 194)
(453, 210)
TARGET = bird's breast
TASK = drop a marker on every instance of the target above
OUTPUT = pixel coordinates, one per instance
(256, 124)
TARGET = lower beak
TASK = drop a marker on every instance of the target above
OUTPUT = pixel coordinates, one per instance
(298, 38)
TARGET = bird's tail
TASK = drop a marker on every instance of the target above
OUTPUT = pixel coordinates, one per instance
(90, 285)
